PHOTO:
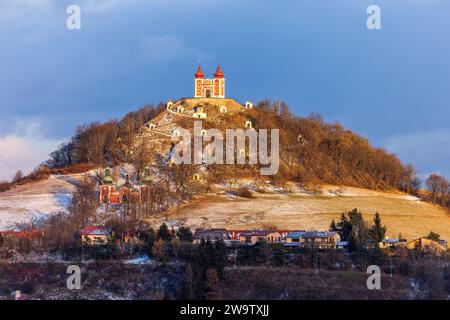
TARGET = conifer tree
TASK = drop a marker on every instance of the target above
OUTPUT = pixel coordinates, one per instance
(378, 231)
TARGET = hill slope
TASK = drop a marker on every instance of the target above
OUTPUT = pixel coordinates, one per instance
(36, 199)
(297, 209)
(311, 151)
(401, 213)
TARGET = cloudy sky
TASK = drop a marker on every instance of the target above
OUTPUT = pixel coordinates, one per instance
(390, 85)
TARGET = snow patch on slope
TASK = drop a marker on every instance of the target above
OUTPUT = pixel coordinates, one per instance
(37, 199)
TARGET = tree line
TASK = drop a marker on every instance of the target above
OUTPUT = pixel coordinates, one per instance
(439, 190)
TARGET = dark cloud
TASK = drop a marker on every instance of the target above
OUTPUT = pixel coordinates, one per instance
(317, 56)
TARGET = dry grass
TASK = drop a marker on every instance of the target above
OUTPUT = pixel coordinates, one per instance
(400, 212)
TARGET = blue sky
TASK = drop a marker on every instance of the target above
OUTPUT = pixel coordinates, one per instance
(390, 85)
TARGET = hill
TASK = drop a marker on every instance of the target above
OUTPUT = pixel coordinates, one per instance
(294, 209)
(311, 151)
(316, 160)
(36, 199)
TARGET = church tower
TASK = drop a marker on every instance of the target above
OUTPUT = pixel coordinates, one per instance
(209, 88)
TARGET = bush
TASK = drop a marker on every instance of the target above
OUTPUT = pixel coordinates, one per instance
(244, 192)
(5, 186)
(28, 287)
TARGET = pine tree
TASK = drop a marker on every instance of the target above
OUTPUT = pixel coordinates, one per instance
(164, 233)
(219, 257)
(148, 238)
(185, 234)
(378, 231)
(333, 226)
(434, 236)
(344, 226)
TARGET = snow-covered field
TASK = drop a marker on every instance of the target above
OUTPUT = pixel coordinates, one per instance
(36, 199)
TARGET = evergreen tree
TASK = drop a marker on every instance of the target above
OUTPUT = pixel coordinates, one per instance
(378, 231)
(219, 257)
(185, 234)
(148, 237)
(333, 226)
(353, 228)
(164, 233)
(348, 220)
(434, 236)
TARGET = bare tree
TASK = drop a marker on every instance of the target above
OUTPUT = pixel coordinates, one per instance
(18, 176)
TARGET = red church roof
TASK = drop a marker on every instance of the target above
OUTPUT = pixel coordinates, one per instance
(218, 73)
(199, 73)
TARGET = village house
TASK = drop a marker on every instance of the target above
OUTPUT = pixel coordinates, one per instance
(318, 239)
(321, 239)
(211, 234)
(254, 236)
(285, 233)
(342, 245)
(427, 245)
(95, 235)
(294, 239)
(235, 234)
(393, 242)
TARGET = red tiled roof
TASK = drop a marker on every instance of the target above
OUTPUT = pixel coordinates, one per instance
(199, 73)
(219, 73)
(21, 234)
(98, 230)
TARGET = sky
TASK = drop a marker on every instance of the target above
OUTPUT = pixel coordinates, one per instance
(390, 85)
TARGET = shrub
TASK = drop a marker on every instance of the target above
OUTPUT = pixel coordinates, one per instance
(244, 192)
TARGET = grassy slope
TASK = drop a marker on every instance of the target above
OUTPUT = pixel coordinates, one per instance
(400, 212)
(299, 210)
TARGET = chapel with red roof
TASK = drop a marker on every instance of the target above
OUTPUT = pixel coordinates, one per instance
(209, 87)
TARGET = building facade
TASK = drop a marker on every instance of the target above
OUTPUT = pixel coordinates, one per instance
(209, 88)
(109, 193)
(254, 236)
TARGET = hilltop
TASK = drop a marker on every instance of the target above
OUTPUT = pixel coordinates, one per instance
(311, 151)
(315, 157)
